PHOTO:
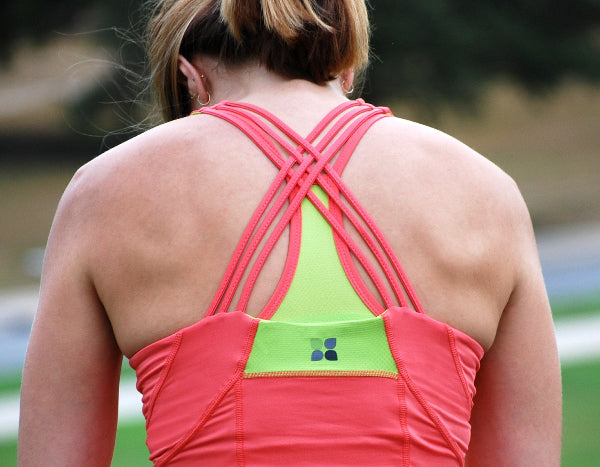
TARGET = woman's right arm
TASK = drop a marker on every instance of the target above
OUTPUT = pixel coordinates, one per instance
(69, 392)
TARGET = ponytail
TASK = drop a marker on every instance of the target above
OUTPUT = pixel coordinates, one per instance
(307, 39)
(284, 18)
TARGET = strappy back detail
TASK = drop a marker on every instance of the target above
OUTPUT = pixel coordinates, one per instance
(232, 389)
(315, 161)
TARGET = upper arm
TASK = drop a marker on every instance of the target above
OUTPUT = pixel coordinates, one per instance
(69, 394)
(516, 420)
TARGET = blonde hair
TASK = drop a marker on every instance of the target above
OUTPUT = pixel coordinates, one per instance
(308, 39)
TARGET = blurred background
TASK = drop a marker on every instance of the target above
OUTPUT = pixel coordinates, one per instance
(519, 81)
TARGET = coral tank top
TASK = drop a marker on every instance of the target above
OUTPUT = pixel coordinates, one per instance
(328, 373)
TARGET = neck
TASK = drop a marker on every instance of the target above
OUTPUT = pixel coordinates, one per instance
(253, 83)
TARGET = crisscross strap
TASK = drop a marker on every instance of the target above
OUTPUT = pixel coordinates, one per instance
(298, 198)
(308, 164)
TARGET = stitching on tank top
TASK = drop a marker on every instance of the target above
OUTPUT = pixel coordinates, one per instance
(164, 373)
(239, 424)
(459, 367)
(322, 374)
(238, 374)
(403, 416)
(431, 413)
(401, 391)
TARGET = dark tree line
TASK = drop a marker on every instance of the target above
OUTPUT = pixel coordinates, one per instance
(440, 49)
(425, 50)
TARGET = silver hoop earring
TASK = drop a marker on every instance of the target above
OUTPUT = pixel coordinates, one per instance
(349, 91)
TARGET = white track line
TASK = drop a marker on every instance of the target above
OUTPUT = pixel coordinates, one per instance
(130, 410)
(578, 339)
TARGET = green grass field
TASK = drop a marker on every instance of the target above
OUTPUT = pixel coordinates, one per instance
(130, 448)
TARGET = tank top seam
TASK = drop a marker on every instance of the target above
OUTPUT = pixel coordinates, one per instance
(403, 419)
(206, 414)
(412, 387)
(175, 346)
(459, 366)
(214, 403)
(323, 374)
(401, 393)
(239, 423)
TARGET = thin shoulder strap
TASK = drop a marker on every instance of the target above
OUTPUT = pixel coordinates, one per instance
(335, 172)
(251, 246)
(307, 165)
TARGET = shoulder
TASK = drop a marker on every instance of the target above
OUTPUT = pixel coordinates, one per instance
(140, 163)
(438, 152)
(463, 216)
(131, 181)
(454, 177)
(150, 183)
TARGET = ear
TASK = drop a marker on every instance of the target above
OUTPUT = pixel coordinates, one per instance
(192, 78)
(347, 80)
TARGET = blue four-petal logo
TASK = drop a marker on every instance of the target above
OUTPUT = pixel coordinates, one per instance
(318, 345)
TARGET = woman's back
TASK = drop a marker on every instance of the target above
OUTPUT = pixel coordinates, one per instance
(144, 234)
(256, 372)
(185, 201)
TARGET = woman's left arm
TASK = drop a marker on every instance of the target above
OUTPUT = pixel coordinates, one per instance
(517, 419)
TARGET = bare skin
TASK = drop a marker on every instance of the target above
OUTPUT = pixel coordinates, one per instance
(144, 232)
